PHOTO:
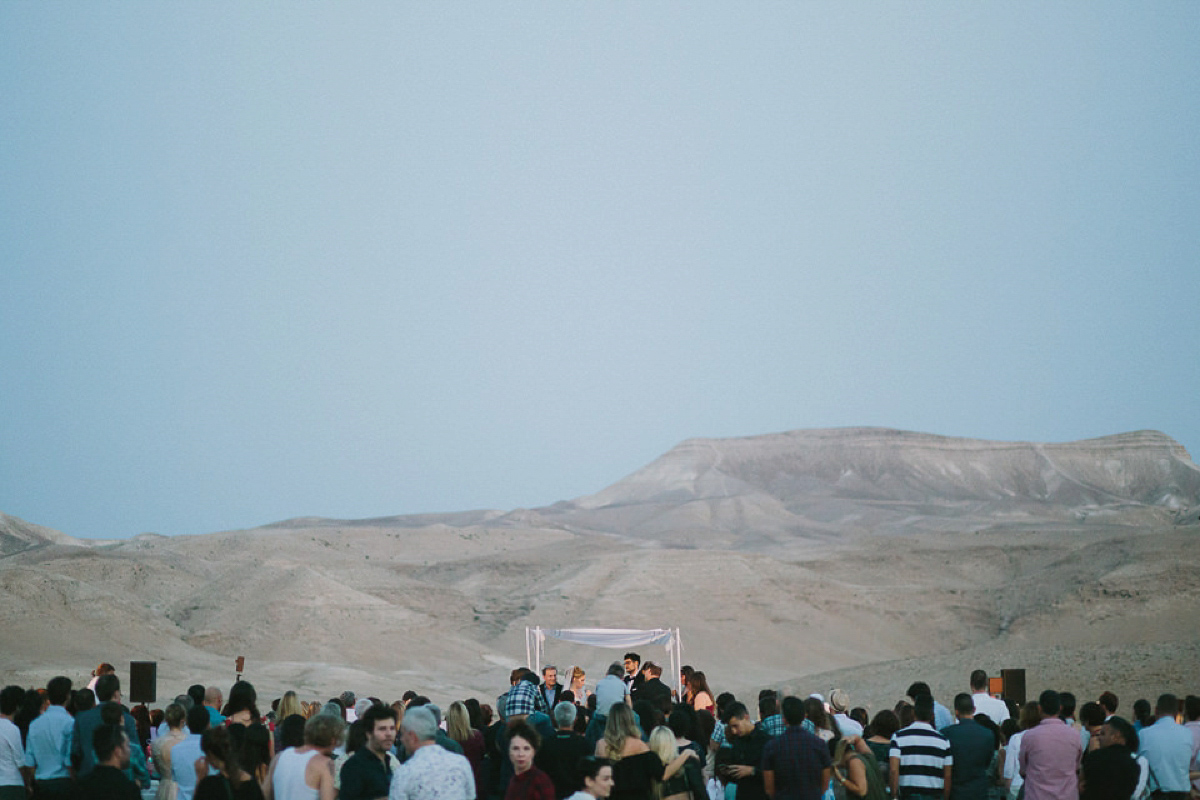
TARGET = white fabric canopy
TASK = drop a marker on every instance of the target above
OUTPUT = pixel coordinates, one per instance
(621, 638)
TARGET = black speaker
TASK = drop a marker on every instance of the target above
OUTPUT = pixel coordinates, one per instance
(1014, 685)
(143, 681)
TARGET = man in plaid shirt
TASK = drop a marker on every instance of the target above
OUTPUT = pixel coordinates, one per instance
(524, 698)
(770, 720)
(796, 765)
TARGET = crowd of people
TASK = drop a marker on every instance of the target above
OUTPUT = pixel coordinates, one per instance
(628, 736)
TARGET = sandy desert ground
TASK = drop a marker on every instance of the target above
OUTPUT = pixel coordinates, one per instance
(857, 558)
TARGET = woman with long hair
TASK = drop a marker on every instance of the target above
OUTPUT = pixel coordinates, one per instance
(635, 766)
(702, 696)
(595, 775)
(458, 728)
(160, 750)
(685, 783)
(855, 770)
(528, 782)
(879, 739)
(824, 725)
(231, 781)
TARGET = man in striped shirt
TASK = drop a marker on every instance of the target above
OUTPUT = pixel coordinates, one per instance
(920, 757)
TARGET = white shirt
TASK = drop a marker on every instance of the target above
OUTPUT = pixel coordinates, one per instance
(1012, 771)
(996, 709)
(433, 773)
(847, 726)
(12, 754)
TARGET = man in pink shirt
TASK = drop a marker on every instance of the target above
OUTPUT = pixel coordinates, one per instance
(1050, 755)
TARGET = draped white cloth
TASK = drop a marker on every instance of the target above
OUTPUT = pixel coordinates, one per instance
(621, 638)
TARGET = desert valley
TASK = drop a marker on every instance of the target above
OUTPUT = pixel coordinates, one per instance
(861, 558)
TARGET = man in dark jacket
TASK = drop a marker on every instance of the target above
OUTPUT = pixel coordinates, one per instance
(367, 774)
(741, 762)
(971, 747)
(106, 780)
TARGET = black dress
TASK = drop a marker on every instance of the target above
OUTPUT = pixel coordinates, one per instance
(218, 787)
(634, 776)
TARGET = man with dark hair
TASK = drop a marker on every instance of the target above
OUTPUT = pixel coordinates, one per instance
(48, 744)
(367, 774)
(559, 754)
(1110, 703)
(523, 698)
(796, 764)
(971, 746)
(941, 715)
(107, 780)
(108, 690)
(769, 718)
(994, 707)
(653, 690)
(1050, 754)
(1167, 745)
(1111, 772)
(919, 760)
(633, 674)
(196, 692)
(741, 762)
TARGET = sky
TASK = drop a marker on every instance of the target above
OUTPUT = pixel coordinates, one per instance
(269, 260)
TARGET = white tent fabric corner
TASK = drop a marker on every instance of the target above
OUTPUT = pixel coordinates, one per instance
(620, 638)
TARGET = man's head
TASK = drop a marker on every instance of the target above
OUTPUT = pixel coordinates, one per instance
(197, 719)
(108, 687)
(213, 697)
(768, 705)
(1050, 703)
(964, 706)
(10, 700)
(379, 723)
(979, 681)
(417, 729)
(616, 669)
(196, 692)
(923, 708)
(550, 675)
(564, 716)
(738, 722)
(651, 670)
(839, 701)
(632, 661)
(918, 688)
(1167, 706)
(1110, 703)
(793, 710)
(1117, 731)
(59, 690)
(1066, 705)
(324, 732)
(1191, 708)
(111, 746)
(1091, 715)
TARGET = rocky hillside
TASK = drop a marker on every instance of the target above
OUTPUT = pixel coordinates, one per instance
(802, 552)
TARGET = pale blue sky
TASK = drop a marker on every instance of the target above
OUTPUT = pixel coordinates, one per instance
(264, 260)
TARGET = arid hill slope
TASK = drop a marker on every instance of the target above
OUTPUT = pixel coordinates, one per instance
(802, 553)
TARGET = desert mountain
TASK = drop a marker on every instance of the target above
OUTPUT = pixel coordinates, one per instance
(803, 553)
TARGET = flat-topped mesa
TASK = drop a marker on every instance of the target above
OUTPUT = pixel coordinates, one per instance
(880, 464)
